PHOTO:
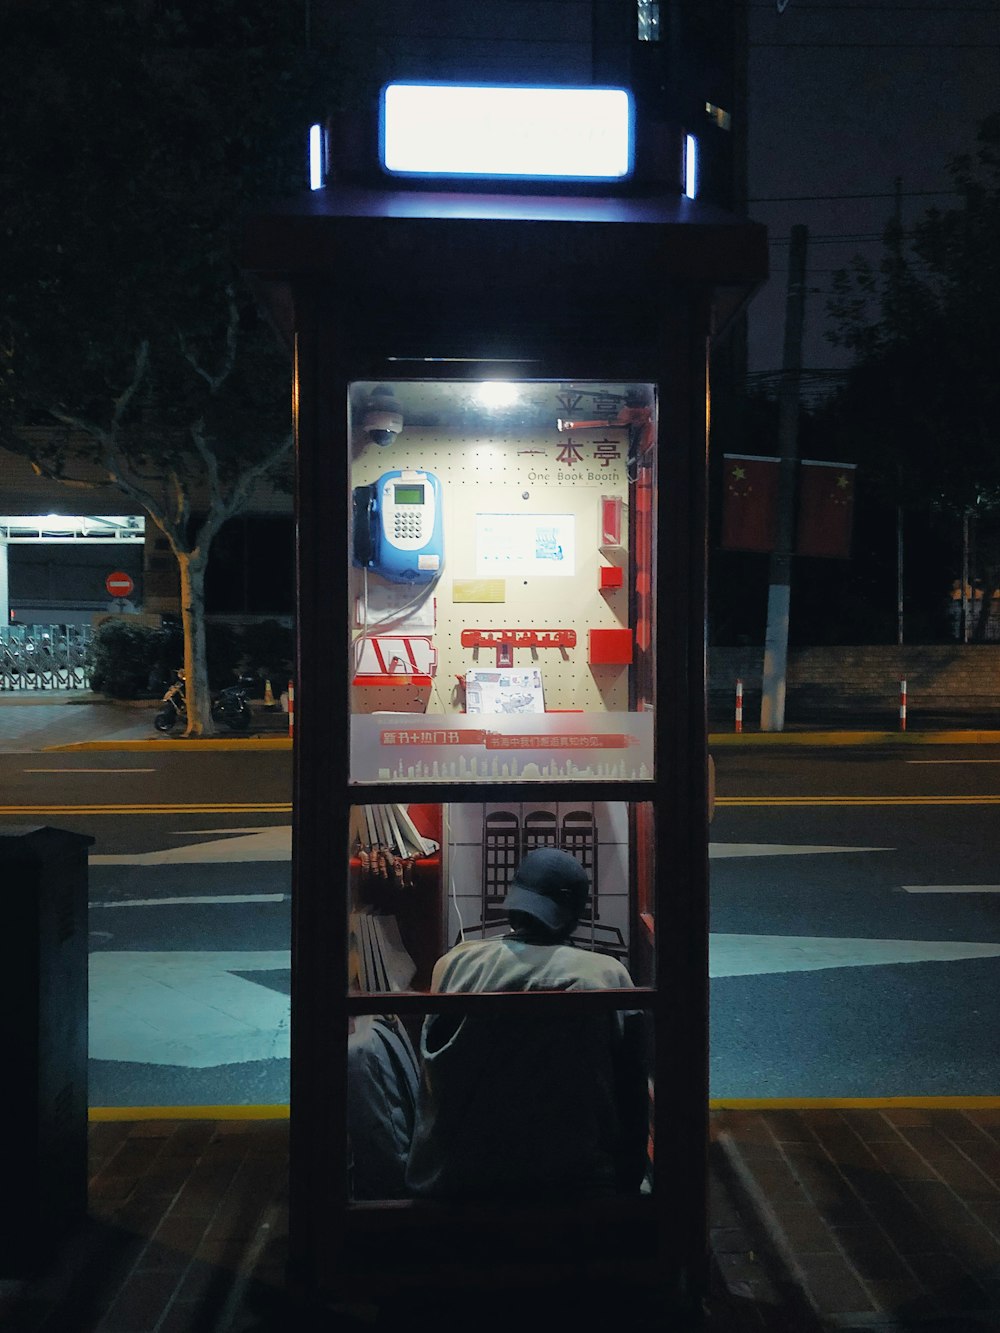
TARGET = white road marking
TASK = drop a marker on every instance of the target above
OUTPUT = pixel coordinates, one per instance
(950, 888)
(198, 900)
(758, 955)
(721, 850)
(203, 832)
(88, 770)
(274, 843)
(952, 761)
(186, 1008)
(264, 844)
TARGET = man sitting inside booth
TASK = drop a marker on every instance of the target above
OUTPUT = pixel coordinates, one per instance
(531, 1106)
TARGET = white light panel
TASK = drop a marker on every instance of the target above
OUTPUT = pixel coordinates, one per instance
(506, 131)
(690, 166)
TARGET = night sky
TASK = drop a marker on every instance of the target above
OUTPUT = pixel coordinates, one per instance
(845, 96)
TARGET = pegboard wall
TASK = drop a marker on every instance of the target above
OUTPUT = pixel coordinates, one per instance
(549, 473)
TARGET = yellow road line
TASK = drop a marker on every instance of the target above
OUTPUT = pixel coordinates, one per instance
(102, 1113)
(281, 1112)
(194, 808)
(856, 800)
(854, 1103)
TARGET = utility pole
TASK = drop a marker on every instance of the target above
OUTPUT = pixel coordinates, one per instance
(897, 277)
(772, 702)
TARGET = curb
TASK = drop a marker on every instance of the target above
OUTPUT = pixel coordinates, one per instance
(791, 1275)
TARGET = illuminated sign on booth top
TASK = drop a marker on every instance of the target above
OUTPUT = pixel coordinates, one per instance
(514, 132)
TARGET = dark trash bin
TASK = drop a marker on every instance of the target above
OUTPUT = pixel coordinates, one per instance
(43, 998)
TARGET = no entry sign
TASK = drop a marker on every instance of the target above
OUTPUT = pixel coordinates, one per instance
(119, 584)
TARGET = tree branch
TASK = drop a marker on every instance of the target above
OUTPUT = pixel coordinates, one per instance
(215, 382)
(115, 472)
(244, 486)
(123, 401)
(74, 483)
(208, 457)
(182, 510)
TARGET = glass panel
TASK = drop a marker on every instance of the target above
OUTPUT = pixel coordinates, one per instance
(502, 581)
(425, 879)
(473, 897)
(488, 1105)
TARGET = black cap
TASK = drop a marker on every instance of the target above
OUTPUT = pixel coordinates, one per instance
(551, 886)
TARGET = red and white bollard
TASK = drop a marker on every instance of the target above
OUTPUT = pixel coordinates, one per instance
(291, 709)
(902, 705)
(739, 706)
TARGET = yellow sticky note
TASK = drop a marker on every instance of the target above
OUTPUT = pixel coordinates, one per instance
(479, 590)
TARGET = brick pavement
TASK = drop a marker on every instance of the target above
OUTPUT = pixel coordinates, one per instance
(881, 1218)
(832, 1219)
(187, 1233)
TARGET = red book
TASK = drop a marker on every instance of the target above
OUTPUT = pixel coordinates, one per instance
(826, 509)
(749, 502)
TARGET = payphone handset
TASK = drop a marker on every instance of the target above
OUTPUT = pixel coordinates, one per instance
(398, 527)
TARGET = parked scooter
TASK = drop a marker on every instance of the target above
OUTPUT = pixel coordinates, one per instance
(229, 706)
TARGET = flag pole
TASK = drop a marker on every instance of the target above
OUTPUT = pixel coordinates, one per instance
(772, 702)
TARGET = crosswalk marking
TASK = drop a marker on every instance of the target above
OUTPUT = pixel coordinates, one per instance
(270, 843)
(188, 1008)
(219, 899)
(723, 850)
(757, 955)
(88, 770)
(951, 888)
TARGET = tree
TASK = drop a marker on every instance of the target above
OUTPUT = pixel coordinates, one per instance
(131, 349)
(922, 400)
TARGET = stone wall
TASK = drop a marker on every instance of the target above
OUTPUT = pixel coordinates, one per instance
(939, 678)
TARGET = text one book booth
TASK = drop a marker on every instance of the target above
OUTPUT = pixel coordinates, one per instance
(501, 416)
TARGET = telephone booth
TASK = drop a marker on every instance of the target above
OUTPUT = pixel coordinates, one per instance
(501, 413)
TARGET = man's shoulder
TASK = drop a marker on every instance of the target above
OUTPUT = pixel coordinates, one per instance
(504, 963)
(469, 949)
(463, 958)
(585, 968)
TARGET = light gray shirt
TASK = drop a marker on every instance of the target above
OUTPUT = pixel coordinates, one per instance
(514, 1106)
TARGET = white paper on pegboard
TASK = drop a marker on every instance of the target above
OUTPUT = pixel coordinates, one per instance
(397, 655)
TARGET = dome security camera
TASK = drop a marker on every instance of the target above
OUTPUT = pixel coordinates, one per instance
(383, 419)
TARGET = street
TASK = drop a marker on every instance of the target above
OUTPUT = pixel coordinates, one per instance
(190, 884)
(873, 962)
(855, 919)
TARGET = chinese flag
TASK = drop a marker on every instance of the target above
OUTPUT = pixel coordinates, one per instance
(749, 503)
(826, 509)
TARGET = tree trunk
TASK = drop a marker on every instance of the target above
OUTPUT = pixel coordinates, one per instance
(192, 566)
